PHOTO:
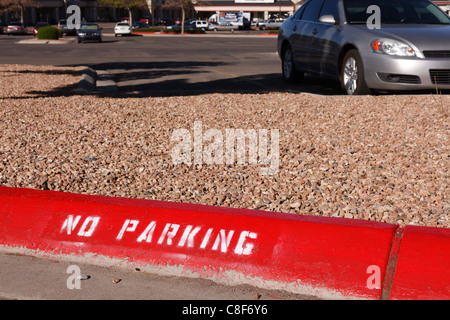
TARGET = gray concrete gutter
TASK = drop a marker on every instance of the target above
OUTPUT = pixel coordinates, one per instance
(25, 277)
(96, 82)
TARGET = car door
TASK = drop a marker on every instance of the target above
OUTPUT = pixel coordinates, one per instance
(324, 42)
(302, 34)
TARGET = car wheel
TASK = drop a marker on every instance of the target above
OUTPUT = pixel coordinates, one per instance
(290, 73)
(352, 74)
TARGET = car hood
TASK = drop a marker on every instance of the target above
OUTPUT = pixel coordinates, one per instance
(423, 37)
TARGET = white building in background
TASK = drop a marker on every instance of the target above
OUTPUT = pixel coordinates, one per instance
(259, 9)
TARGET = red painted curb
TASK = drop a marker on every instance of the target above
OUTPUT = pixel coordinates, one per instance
(423, 266)
(148, 32)
(328, 257)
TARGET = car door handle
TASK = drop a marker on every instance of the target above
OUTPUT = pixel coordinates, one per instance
(294, 28)
(315, 31)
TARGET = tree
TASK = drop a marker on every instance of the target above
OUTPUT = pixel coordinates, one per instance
(10, 5)
(150, 5)
(128, 5)
(183, 5)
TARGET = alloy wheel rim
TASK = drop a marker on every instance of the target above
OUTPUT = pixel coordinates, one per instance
(287, 64)
(350, 75)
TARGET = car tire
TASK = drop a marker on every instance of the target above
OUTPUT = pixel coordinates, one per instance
(288, 69)
(352, 74)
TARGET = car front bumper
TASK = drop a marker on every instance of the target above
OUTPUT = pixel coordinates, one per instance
(89, 37)
(385, 72)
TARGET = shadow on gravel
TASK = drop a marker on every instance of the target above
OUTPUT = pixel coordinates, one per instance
(186, 78)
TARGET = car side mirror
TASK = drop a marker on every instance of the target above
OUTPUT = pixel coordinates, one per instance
(328, 18)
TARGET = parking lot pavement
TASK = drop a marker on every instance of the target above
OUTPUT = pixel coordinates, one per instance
(181, 65)
(25, 277)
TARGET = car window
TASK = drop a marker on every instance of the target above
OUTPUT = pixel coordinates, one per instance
(311, 12)
(330, 7)
(89, 27)
(396, 12)
(299, 12)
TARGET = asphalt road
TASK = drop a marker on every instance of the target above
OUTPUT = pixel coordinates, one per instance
(155, 65)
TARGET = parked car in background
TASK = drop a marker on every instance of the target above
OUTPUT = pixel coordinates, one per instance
(39, 25)
(409, 51)
(193, 24)
(200, 24)
(89, 31)
(165, 22)
(177, 26)
(62, 25)
(146, 20)
(16, 28)
(139, 24)
(214, 26)
(122, 28)
(269, 24)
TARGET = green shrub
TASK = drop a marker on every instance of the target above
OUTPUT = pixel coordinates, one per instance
(48, 33)
(192, 31)
(149, 29)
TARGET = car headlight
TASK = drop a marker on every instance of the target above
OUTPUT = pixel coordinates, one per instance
(393, 48)
(81, 33)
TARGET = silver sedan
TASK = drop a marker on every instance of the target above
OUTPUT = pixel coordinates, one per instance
(368, 44)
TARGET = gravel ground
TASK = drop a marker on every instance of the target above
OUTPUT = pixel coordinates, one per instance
(380, 158)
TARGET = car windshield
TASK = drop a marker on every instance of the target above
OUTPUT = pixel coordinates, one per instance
(396, 12)
(89, 27)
